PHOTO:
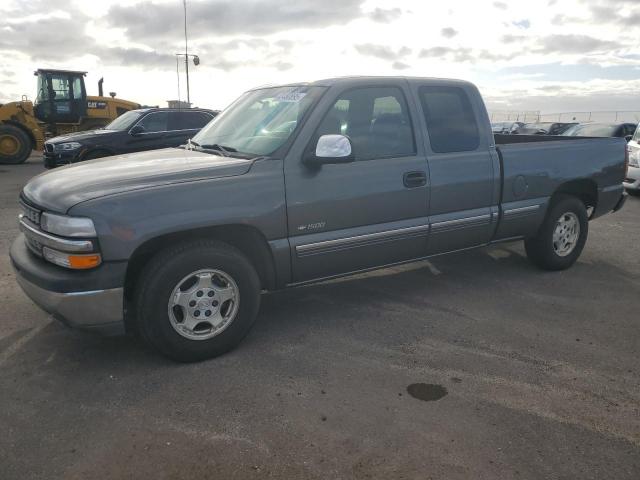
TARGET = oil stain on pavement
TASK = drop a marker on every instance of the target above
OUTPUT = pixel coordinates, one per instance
(426, 391)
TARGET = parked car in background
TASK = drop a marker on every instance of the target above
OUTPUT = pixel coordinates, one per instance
(597, 129)
(632, 181)
(544, 128)
(296, 184)
(134, 131)
(505, 128)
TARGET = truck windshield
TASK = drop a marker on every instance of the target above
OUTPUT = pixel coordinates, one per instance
(124, 121)
(260, 121)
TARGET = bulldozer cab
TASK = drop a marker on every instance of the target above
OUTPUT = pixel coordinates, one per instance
(61, 96)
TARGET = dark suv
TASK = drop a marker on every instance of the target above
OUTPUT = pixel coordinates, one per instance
(134, 131)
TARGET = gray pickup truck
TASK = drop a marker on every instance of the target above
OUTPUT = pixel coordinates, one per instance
(295, 184)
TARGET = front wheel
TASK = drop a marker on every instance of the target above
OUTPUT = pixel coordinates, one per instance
(15, 145)
(562, 236)
(197, 300)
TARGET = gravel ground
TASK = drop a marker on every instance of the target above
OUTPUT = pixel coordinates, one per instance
(535, 375)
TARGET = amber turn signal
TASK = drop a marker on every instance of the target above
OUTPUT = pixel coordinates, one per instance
(72, 260)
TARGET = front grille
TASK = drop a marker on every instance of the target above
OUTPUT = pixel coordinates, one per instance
(33, 214)
(34, 245)
(48, 147)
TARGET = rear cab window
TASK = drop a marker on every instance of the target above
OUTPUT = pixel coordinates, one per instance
(376, 120)
(451, 123)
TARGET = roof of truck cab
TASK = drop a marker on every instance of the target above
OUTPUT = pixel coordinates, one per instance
(335, 81)
(167, 109)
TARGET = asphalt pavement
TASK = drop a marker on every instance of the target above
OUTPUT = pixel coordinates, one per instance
(527, 375)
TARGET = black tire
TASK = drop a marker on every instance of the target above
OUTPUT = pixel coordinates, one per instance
(93, 154)
(15, 145)
(165, 271)
(540, 249)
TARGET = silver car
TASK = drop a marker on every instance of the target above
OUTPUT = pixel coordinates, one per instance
(632, 181)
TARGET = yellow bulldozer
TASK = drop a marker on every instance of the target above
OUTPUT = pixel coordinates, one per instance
(61, 106)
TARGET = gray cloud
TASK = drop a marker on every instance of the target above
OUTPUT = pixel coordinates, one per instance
(148, 20)
(34, 39)
(612, 14)
(397, 65)
(513, 38)
(385, 15)
(572, 44)
(382, 51)
(134, 57)
(448, 32)
(500, 5)
(464, 54)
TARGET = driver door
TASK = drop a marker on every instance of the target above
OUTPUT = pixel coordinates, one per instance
(370, 212)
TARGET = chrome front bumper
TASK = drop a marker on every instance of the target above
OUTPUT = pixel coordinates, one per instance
(632, 182)
(97, 310)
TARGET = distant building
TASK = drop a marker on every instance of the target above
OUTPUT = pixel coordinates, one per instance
(178, 104)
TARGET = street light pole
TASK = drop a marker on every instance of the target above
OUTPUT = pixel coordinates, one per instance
(186, 51)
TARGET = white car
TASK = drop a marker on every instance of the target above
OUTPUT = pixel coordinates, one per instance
(632, 182)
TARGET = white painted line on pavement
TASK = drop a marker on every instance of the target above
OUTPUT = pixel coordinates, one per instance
(15, 347)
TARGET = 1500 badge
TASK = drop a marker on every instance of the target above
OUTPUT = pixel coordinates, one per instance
(312, 226)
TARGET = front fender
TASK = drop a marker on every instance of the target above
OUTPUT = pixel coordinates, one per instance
(124, 221)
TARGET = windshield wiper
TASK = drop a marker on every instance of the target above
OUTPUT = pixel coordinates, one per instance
(216, 148)
(222, 148)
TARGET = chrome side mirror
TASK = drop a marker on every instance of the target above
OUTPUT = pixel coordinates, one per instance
(331, 149)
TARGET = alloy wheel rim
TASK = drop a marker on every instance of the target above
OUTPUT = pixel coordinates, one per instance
(203, 304)
(566, 234)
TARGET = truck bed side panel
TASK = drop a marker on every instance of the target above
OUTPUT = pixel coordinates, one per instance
(534, 171)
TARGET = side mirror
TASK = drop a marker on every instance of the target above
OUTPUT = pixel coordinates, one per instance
(136, 130)
(331, 149)
(628, 138)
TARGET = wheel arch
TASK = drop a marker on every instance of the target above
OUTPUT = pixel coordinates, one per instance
(249, 240)
(585, 189)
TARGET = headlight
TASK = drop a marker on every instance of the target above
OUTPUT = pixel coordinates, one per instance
(67, 226)
(63, 147)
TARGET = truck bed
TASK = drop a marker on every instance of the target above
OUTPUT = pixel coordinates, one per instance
(532, 166)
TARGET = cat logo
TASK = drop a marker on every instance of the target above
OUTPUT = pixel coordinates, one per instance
(97, 105)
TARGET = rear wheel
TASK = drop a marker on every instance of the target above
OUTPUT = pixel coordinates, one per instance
(562, 236)
(15, 145)
(197, 300)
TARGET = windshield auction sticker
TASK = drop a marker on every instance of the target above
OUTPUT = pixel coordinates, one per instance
(291, 96)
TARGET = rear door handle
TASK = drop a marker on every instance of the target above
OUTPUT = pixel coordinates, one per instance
(414, 179)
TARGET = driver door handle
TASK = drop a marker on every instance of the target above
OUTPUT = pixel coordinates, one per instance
(414, 179)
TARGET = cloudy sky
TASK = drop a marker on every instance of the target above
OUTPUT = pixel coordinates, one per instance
(548, 55)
